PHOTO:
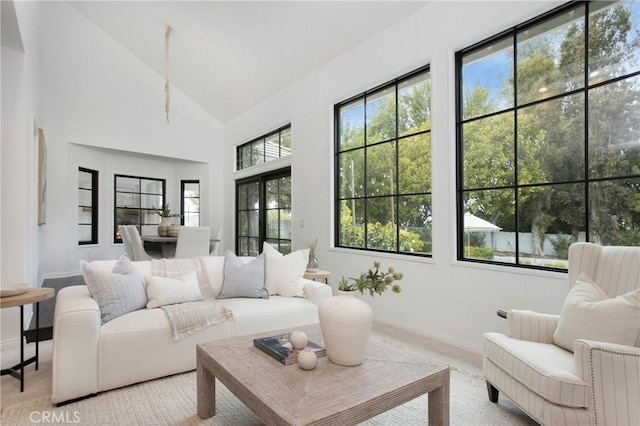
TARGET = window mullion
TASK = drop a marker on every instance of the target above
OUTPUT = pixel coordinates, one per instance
(396, 197)
(586, 124)
(366, 180)
(516, 180)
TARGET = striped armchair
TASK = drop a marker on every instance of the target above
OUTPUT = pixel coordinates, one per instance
(597, 384)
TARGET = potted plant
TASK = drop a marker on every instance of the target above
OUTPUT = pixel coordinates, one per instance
(373, 280)
(165, 216)
(346, 321)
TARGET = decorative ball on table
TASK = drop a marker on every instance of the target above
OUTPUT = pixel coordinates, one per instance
(307, 359)
(298, 339)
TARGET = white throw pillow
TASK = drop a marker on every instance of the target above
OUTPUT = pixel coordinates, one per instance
(214, 269)
(588, 313)
(284, 273)
(168, 291)
(118, 291)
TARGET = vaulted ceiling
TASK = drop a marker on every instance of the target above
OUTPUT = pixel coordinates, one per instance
(230, 55)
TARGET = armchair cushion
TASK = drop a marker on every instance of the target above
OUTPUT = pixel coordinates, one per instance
(545, 369)
(588, 313)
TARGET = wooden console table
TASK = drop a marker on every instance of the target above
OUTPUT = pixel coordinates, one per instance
(32, 295)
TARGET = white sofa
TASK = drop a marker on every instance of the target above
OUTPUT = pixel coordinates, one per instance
(90, 357)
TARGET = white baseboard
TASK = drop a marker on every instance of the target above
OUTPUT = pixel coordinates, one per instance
(10, 345)
(14, 343)
(476, 349)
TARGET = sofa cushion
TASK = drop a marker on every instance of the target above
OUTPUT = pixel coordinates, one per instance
(284, 273)
(252, 316)
(118, 291)
(243, 279)
(588, 313)
(168, 291)
(139, 346)
(545, 369)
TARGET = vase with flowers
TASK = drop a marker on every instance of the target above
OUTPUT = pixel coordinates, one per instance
(346, 321)
(165, 219)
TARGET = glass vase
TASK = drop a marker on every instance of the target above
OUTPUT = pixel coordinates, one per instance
(312, 265)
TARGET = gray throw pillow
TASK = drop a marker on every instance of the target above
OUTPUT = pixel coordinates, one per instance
(117, 292)
(243, 279)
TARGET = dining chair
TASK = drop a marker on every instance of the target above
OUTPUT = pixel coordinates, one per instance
(193, 241)
(216, 233)
(126, 241)
(137, 247)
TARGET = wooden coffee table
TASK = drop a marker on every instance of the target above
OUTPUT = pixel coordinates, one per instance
(328, 395)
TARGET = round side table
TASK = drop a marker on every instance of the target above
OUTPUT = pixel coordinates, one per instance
(319, 274)
(32, 295)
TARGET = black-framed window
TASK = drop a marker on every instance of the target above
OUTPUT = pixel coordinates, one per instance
(87, 206)
(273, 145)
(548, 120)
(190, 207)
(134, 201)
(263, 212)
(383, 167)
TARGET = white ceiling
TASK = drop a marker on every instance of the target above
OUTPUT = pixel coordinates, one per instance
(230, 55)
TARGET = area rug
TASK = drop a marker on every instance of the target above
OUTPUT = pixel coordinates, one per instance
(172, 401)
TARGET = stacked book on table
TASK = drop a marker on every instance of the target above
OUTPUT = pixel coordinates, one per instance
(280, 348)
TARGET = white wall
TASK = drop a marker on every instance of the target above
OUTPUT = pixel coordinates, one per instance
(109, 163)
(98, 94)
(100, 103)
(21, 114)
(443, 298)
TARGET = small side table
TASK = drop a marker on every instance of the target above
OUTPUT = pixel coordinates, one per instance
(33, 295)
(319, 274)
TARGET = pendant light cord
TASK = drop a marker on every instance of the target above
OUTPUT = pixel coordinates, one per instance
(166, 71)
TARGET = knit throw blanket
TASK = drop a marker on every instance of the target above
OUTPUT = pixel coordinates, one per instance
(190, 317)
(175, 267)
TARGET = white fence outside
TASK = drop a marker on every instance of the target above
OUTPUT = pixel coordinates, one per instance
(505, 241)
